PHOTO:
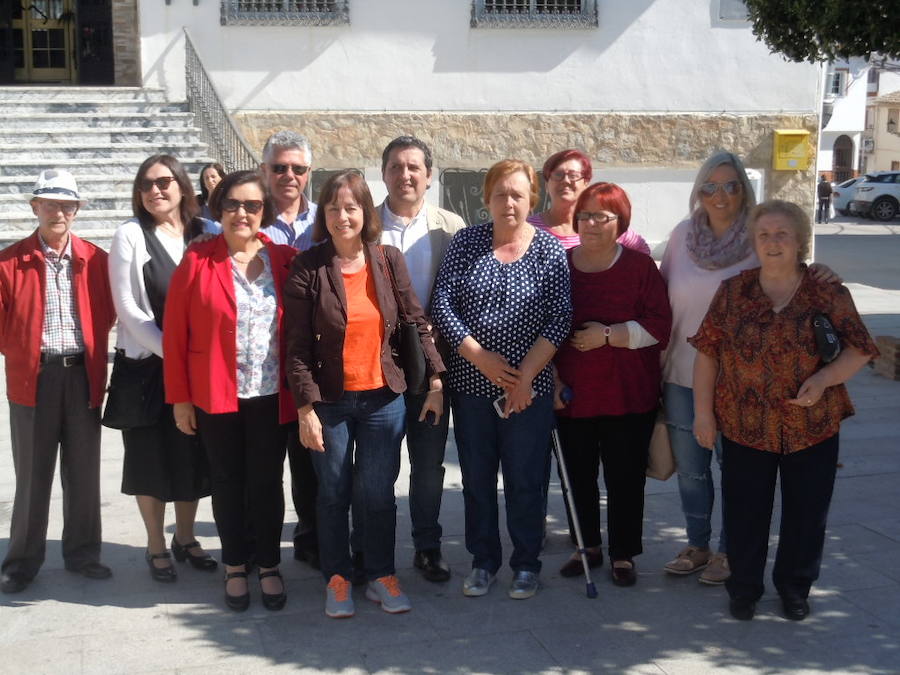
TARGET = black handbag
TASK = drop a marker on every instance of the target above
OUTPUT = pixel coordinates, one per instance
(827, 341)
(135, 396)
(409, 344)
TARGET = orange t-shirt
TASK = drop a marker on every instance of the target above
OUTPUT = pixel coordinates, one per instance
(365, 333)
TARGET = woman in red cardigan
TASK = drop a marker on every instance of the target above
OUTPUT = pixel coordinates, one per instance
(611, 365)
(224, 373)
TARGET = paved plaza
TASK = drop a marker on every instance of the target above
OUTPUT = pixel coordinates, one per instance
(63, 623)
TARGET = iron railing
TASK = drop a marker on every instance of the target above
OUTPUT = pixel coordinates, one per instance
(217, 129)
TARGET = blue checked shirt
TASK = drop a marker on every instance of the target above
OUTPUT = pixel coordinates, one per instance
(62, 329)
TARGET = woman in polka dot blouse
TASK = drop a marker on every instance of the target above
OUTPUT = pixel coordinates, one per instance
(502, 300)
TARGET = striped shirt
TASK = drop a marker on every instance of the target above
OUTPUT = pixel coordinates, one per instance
(62, 329)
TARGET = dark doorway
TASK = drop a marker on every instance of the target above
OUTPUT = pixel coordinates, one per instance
(842, 159)
(95, 42)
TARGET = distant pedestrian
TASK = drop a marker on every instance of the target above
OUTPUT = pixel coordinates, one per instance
(823, 191)
(56, 312)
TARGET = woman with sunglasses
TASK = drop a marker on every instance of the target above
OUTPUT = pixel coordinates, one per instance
(621, 320)
(566, 174)
(706, 248)
(225, 376)
(161, 465)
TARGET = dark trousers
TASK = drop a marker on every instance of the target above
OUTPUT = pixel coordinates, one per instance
(520, 445)
(246, 460)
(822, 210)
(748, 488)
(61, 419)
(304, 488)
(621, 442)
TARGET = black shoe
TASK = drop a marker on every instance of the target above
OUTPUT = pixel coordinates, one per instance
(13, 582)
(574, 568)
(236, 602)
(623, 576)
(273, 601)
(308, 555)
(432, 564)
(795, 609)
(91, 570)
(165, 574)
(181, 553)
(742, 610)
(358, 575)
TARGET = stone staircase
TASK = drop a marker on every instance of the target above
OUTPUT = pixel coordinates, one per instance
(101, 135)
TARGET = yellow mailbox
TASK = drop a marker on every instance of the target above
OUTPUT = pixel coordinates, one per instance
(791, 152)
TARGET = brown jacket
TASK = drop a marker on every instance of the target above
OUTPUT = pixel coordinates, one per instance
(315, 307)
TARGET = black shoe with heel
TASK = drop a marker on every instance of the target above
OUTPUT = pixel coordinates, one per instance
(203, 562)
(236, 602)
(165, 574)
(273, 601)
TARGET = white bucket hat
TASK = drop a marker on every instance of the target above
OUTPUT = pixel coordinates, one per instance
(57, 184)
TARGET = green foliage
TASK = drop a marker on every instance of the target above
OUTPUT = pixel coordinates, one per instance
(827, 30)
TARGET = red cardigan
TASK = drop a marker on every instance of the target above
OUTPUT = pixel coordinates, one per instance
(199, 350)
(22, 282)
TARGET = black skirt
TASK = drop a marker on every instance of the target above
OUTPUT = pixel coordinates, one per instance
(164, 463)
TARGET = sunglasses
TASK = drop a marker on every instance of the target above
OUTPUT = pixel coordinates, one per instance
(597, 218)
(731, 187)
(163, 183)
(251, 206)
(298, 169)
(573, 176)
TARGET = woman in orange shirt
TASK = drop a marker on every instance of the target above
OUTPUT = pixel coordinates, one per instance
(341, 312)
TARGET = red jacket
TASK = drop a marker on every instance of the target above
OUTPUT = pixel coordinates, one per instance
(200, 355)
(22, 282)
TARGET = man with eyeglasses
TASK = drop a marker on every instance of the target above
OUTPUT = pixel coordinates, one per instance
(56, 312)
(287, 159)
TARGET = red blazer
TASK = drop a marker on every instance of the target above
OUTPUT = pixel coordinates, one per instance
(199, 352)
(22, 281)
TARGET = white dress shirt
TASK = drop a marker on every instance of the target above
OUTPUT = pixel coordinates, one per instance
(414, 243)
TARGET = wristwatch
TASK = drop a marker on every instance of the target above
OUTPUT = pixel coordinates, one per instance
(606, 334)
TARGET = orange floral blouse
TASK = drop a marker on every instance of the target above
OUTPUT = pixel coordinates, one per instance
(765, 357)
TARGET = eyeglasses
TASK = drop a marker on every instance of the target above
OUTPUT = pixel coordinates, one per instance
(67, 208)
(298, 169)
(251, 206)
(731, 187)
(163, 183)
(560, 174)
(597, 218)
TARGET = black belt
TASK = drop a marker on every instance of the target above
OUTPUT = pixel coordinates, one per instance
(64, 360)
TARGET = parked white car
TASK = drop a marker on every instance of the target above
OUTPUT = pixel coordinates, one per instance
(842, 194)
(877, 196)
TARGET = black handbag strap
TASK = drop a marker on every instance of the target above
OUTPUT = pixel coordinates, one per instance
(401, 314)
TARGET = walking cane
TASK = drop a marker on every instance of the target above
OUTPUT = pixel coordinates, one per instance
(591, 589)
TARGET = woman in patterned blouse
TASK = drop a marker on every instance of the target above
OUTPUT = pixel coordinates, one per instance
(759, 379)
(502, 300)
(224, 348)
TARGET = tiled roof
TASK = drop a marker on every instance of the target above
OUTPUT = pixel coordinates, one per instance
(891, 97)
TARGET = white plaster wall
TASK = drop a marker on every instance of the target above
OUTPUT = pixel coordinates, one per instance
(849, 113)
(647, 55)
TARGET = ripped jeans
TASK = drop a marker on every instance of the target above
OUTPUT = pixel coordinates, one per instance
(695, 480)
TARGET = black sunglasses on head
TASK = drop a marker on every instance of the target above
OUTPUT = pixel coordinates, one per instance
(298, 169)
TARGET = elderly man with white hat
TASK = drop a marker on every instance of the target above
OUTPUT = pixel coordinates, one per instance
(56, 312)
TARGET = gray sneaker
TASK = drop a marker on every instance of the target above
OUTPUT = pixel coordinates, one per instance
(525, 584)
(338, 601)
(478, 582)
(386, 591)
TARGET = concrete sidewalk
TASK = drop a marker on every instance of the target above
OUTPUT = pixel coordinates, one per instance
(131, 624)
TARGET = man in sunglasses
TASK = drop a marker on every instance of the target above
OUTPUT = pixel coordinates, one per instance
(56, 312)
(287, 157)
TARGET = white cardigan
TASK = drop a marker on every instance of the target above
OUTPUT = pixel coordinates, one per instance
(137, 333)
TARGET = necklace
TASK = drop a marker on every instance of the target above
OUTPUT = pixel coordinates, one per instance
(781, 301)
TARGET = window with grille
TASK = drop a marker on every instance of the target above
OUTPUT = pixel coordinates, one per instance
(534, 13)
(284, 12)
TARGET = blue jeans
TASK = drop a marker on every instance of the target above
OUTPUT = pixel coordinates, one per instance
(362, 433)
(695, 481)
(520, 444)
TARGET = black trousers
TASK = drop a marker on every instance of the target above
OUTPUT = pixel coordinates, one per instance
(60, 421)
(621, 442)
(748, 494)
(246, 461)
(304, 488)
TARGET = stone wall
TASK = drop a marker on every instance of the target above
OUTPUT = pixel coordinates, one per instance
(126, 43)
(477, 140)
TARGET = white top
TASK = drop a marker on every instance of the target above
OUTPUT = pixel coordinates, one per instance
(691, 289)
(415, 244)
(256, 334)
(137, 333)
